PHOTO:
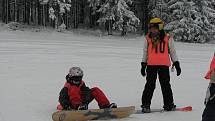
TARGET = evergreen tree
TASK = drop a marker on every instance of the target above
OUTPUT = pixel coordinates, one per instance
(95, 3)
(125, 19)
(182, 24)
(107, 10)
(205, 19)
(116, 15)
(145, 14)
(159, 9)
(57, 10)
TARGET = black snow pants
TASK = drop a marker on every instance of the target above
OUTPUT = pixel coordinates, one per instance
(164, 79)
(209, 111)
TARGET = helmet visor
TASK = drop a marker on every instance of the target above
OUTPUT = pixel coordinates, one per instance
(154, 26)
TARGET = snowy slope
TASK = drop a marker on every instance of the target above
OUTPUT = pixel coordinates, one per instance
(33, 68)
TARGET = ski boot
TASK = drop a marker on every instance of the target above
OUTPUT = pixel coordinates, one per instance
(112, 105)
(170, 107)
(146, 109)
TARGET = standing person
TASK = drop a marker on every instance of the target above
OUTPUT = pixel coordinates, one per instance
(158, 45)
(209, 111)
(76, 95)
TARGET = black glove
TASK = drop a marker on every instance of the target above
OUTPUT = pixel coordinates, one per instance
(83, 107)
(177, 67)
(143, 68)
(66, 107)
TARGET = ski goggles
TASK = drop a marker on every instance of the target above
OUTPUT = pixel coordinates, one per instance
(74, 79)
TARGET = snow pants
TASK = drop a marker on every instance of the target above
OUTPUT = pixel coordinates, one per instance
(209, 111)
(100, 97)
(164, 79)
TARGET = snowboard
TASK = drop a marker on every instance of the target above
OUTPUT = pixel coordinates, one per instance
(184, 109)
(93, 114)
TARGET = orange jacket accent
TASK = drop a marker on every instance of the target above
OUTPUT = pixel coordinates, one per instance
(158, 55)
(212, 67)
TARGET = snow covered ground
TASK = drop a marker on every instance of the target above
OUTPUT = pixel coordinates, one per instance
(33, 66)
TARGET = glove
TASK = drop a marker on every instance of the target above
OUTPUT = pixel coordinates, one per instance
(177, 67)
(143, 68)
(83, 107)
(66, 107)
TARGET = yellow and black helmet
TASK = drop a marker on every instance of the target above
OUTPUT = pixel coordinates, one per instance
(156, 22)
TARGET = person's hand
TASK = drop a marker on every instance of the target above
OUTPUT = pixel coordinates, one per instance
(143, 68)
(66, 107)
(83, 107)
(176, 64)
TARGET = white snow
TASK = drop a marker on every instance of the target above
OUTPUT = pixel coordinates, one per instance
(33, 66)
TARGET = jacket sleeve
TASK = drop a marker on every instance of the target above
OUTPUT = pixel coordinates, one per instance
(64, 98)
(85, 94)
(172, 50)
(145, 49)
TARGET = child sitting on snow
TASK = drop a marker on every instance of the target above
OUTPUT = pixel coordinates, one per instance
(76, 95)
(209, 112)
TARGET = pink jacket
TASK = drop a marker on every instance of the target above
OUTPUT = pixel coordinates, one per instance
(212, 67)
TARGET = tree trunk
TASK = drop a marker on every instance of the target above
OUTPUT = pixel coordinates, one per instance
(28, 12)
(110, 27)
(3, 10)
(56, 21)
(145, 16)
(76, 15)
(6, 11)
(15, 20)
(37, 12)
(44, 15)
(124, 31)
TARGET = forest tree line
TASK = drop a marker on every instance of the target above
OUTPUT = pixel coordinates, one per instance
(76, 13)
(187, 20)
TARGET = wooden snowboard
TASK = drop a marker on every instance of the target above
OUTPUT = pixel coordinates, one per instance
(93, 114)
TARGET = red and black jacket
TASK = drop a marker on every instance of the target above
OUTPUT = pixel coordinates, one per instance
(72, 96)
